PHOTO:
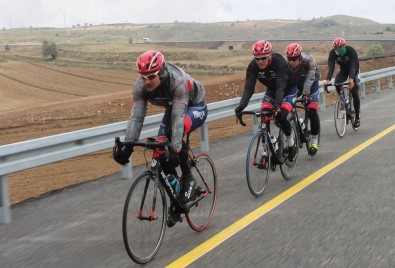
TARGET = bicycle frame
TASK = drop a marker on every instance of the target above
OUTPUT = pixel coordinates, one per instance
(342, 120)
(151, 191)
(263, 156)
(264, 118)
(156, 169)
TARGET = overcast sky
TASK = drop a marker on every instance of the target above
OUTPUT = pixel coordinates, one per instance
(61, 13)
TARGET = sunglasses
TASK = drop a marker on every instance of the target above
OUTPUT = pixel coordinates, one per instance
(262, 58)
(150, 76)
(293, 59)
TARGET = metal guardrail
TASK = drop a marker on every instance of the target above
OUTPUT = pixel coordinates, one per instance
(33, 153)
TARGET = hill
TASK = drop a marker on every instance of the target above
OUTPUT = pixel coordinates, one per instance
(328, 27)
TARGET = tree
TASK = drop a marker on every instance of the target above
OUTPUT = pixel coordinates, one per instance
(375, 50)
(7, 47)
(49, 49)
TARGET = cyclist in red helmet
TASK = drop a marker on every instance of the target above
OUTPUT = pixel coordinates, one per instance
(164, 84)
(347, 58)
(271, 69)
(307, 75)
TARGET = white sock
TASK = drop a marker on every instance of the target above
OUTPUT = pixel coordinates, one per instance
(314, 139)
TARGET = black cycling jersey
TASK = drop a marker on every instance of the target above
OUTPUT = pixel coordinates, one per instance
(277, 76)
(349, 63)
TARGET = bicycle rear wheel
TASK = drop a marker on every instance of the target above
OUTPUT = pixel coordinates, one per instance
(288, 167)
(340, 117)
(144, 218)
(202, 210)
(258, 164)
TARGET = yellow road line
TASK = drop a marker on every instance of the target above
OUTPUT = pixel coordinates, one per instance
(217, 239)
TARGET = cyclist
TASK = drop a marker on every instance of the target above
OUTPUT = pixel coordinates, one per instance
(167, 85)
(271, 69)
(307, 76)
(347, 58)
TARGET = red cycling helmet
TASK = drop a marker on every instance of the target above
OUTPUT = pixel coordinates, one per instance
(293, 50)
(150, 62)
(339, 42)
(261, 48)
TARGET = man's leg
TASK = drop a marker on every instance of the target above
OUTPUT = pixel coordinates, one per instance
(357, 105)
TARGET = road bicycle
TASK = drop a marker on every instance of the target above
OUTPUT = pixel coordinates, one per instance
(302, 123)
(145, 212)
(264, 154)
(344, 111)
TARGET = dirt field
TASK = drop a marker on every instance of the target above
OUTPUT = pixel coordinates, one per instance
(41, 99)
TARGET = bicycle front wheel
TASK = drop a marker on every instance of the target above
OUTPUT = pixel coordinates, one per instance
(340, 117)
(144, 218)
(288, 167)
(202, 210)
(258, 164)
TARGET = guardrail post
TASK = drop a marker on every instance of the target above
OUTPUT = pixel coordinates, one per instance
(322, 101)
(390, 85)
(127, 170)
(377, 81)
(204, 138)
(362, 88)
(5, 211)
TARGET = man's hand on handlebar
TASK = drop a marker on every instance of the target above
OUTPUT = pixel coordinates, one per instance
(238, 110)
(121, 154)
(306, 98)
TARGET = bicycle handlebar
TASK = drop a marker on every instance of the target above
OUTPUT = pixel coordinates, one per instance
(335, 84)
(239, 117)
(149, 144)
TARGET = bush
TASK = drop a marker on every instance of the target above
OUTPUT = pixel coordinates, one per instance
(375, 50)
(7, 47)
(50, 49)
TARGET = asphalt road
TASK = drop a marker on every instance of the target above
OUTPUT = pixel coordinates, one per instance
(337, 212)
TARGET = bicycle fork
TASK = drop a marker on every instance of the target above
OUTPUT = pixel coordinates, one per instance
(140, 213)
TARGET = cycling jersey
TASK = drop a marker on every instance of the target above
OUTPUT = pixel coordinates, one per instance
(349, 63)
(307, 73)
(177, 91)
(277, 77)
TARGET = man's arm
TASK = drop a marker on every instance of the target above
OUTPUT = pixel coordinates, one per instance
(180, 104)
(137, 115)
(249, 86)
(331, 65)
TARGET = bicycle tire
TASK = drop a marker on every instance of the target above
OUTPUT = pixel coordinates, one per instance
(205, 174)
(143, 237)
(257, 178)
(287, 167)
(340, 117)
